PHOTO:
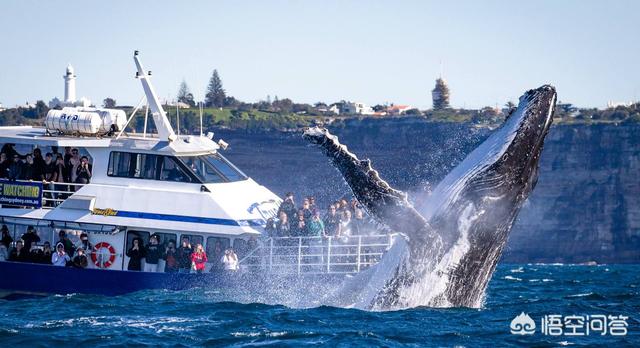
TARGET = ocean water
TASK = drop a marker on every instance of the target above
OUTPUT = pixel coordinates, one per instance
(203, 317)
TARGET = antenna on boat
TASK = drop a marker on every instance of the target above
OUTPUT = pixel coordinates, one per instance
(200, 107)
(165, 131)
(178, 118)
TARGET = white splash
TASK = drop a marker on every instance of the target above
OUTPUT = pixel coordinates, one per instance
(430, 288)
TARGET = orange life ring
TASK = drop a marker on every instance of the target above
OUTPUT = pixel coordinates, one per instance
(112, 255)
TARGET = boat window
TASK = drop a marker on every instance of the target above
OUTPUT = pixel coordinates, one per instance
(165, 238)
(145, 166)
(193, 239)
(144, 235)
(212, 254)
(202, 169)
(212, 168)
(171, 171)
(119, 164)
(225, 167)
(44, 232)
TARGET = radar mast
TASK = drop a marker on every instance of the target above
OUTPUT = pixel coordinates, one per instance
(165, 131)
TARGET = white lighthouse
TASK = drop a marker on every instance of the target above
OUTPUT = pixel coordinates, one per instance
(69, 85)
(69, 92)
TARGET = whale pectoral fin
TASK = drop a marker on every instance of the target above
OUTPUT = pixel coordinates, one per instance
(384, 203)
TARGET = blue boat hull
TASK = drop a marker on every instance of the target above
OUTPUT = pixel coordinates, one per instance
(28, 278)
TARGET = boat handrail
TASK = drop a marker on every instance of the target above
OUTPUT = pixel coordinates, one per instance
(317, 254)
(51, 196)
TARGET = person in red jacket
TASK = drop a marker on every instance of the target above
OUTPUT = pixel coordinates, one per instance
(198, 259)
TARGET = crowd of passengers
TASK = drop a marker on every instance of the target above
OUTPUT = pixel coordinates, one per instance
(52, 167)
(186, 258)
(26, 249)
(342, 219)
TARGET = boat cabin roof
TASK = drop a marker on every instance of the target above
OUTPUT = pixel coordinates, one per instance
(38, 136)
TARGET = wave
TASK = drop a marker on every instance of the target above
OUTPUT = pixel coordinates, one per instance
(587, 296)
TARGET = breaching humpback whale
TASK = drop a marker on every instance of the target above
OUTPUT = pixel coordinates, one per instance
(453, 241)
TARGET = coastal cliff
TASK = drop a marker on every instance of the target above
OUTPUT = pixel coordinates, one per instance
(586, 206)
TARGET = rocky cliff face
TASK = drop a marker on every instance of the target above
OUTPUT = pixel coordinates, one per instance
(587, 202)
(586, 206)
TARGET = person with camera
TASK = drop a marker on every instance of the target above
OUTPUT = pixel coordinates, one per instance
(83, 172)
(135, 254)
(153, 255)
(184, 256)
(289, 206)
(30, 237)
(80, 260)
(230, 261)
(60, 257)
(170, 260)
(47, 253)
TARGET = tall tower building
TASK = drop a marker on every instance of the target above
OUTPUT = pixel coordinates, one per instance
(69, 92)
(440, 95)
(69, 85)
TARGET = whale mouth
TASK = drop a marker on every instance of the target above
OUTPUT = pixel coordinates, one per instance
(456, 239)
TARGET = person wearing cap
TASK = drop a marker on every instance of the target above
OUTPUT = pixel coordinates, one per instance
(84, 243)
(80, 260)
(69, 248)
(31, 237)
(60, 257)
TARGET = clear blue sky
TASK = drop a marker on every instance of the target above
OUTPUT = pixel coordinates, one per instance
(369, 51)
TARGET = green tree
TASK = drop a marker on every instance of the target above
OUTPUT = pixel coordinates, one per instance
(283, 105)
(413, 112)
(109, 103)
(41, 109)
(185, 95)
(215, 92)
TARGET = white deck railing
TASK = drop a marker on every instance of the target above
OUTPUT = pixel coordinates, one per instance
(54, 193)
(317, 255)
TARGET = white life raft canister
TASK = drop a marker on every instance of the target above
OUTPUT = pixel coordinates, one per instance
(85, 121)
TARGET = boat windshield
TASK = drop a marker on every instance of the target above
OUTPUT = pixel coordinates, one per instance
(213, 168)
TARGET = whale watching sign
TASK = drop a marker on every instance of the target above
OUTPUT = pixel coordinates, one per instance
(22, 193)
